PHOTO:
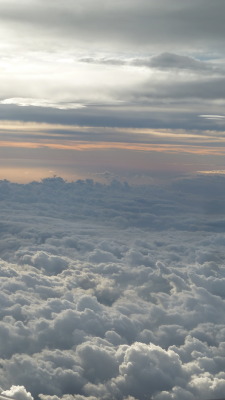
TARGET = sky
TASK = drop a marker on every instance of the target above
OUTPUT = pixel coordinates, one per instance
(133, 88)
(112, 200)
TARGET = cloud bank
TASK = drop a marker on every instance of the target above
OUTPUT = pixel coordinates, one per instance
(112, 291)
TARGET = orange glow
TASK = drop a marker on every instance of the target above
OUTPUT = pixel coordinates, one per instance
(144, 147)
(27, 128)
(33, 135)
(29, 174)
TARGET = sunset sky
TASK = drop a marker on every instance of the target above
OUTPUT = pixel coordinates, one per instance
(112, 199)
(131, 89)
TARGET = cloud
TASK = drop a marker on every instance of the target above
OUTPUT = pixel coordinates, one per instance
(102, 298)
(113, 291)
(162, 61)
(18, 393)
(213, 117)
(112, 89)
(171, 61)
(86, 68)
(191, 24)
(138, 370)
(25, 102)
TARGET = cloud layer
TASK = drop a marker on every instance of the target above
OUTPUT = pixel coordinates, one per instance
(112, 291)
(126, 24)
(132, 63)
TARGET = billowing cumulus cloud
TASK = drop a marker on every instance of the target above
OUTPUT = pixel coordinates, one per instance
(104, 299)
(18, 393)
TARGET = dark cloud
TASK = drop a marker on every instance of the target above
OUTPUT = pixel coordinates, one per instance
(161, 61)
(147, 114)
(198, 24)
(171, 61)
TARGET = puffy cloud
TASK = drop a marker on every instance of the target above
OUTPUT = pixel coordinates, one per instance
(53, 264)
(98, 304)
(147, 369)
(18, 393)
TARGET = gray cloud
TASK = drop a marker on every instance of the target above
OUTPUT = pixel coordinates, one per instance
(171, 61)
(102, 298)
(188, 24)
(161, 61)
(170, 93)
(145, 64)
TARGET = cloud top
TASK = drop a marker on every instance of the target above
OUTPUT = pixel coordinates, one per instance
(112, 291)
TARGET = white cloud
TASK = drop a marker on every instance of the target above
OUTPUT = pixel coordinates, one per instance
(26, 102)
(95, 309)
(18, 393)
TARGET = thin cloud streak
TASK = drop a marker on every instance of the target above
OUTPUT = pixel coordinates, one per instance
(145, 147)
(26, 102)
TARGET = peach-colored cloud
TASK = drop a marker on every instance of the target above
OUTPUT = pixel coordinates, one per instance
(144, 147)
(35, 135)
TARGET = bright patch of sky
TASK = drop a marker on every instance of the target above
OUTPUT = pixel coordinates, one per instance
(115, 65)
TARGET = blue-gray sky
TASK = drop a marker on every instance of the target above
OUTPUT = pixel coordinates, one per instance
(116, 81)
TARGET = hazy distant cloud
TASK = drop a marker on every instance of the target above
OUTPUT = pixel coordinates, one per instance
(160, 61)
(213, 117)
(174, 61)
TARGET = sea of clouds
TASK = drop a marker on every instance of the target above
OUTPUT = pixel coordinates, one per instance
(112, 291)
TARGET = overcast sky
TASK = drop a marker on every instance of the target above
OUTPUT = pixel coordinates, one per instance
(137, 87)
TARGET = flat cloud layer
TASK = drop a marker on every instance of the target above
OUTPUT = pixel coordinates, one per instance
(112, 291)
(146, 23)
